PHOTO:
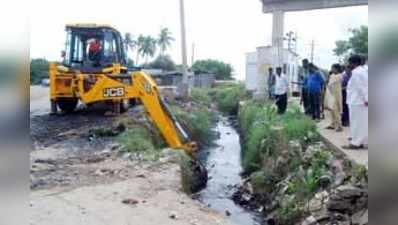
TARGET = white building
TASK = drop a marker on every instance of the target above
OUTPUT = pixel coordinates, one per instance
(258, 63)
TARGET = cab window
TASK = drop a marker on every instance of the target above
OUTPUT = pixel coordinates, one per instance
(109, 47)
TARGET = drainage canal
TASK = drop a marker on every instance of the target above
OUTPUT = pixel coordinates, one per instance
(223, 162)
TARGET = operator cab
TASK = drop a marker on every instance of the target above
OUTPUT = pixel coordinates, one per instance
(91, 48)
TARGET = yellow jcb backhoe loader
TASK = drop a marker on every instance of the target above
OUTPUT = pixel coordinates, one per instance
(94, 70)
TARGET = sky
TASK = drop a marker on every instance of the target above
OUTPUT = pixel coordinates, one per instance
(221, 29)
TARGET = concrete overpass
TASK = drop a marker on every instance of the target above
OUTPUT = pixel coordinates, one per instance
(279, 7)
(270, 6)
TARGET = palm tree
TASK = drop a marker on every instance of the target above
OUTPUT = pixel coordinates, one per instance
(148, 47)
(129, 42)
(140, 43)
(164, 40)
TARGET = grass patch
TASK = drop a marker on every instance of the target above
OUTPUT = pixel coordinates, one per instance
(262, 182)
(290, 212)
(299, 127)
(228, 97)
(359, 174)
(201, 96)
(198, 123)
(139, 141)
(266, 134)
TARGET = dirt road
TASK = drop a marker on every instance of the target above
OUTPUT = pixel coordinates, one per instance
(154, 195)
(78, 177)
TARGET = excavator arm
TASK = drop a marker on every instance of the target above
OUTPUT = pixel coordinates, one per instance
(148, 92)
(143, 87)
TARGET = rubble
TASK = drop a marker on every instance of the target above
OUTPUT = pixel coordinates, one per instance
(336, 200)
(348, 199)
(310, 221)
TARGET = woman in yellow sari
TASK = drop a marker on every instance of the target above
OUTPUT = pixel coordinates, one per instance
(333, 98)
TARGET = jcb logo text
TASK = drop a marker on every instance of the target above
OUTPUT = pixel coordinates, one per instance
(113, 92)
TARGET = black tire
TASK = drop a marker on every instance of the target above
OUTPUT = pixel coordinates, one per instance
(67, 105)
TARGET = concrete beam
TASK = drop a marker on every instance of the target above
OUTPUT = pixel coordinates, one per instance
(270, 6)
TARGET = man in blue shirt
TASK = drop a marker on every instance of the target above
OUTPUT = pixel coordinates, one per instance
(304, 92)
(314, 86)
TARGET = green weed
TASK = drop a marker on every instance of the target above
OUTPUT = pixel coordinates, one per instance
(136, 139)
(228, 98)
(201, 95)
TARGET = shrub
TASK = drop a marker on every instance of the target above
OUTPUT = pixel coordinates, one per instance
(257, 121)
(201, 96)
(198, 123)
(223, 71)
(38, 70)
(360, 174)
(136, 140)
(262, 182)
(297, 126)
(163, 62)
(251, 154)
(290, 212)
(306, 184)
(228, 98)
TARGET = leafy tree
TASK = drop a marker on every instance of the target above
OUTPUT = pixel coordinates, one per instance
(164, 40)
(356, 44)
(38, 70)
(163, 62)
(223, 71)
(147, 47)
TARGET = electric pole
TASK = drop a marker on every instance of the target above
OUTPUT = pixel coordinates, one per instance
(291, 38)
(193, 54)
(184, 89)
(312, 50)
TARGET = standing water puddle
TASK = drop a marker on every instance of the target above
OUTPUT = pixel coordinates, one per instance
(223, 163)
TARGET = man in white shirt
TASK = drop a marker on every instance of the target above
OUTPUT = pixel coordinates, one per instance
(281, 89)
(357, 100)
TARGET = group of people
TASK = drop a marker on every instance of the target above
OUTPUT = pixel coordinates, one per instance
(343, 94)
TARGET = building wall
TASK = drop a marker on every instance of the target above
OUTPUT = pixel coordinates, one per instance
(264, 58)
(175, 79)
(251, 71)
(204, 80)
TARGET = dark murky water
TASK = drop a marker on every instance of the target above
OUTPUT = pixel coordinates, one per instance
(223, 163)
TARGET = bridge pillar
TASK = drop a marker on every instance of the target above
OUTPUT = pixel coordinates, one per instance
(278, 19)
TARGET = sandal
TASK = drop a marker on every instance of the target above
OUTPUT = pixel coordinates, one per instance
(352, 147)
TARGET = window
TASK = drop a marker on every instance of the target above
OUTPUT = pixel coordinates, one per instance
(114, 48)
(109, 47)
(78, 50)
(68, 42)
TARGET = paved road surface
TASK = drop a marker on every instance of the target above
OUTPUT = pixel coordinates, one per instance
(337, 140)
(39, 100)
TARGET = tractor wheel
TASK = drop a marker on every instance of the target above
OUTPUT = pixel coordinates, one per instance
(67, 105)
